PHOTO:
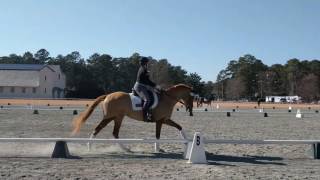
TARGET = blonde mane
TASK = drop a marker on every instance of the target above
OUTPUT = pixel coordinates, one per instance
(179, 86)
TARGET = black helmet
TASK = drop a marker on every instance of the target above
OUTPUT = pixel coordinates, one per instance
(144, 60)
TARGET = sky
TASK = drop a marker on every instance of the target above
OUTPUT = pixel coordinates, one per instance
(200, 36)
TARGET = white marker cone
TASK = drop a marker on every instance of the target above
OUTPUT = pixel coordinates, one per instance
(299, 114)
(197, 153)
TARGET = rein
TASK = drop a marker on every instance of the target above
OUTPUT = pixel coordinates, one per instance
(174, 98)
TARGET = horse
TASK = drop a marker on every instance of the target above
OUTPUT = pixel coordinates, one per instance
(197, 99)
(207, 102)
(117, 105)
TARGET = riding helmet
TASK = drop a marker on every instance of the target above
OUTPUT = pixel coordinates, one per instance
(144, 60)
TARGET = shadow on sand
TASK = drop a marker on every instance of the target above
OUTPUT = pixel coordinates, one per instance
(261, 160)
(38, 157)
(213, 159)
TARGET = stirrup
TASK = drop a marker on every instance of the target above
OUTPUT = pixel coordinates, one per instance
(149, 117)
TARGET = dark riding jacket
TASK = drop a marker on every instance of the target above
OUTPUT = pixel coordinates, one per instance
(143, 77)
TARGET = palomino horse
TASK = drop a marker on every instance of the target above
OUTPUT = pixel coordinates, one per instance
(118, 104)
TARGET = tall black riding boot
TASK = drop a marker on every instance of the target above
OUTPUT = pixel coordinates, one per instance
(146, 112)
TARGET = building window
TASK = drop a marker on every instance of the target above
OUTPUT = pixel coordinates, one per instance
(45, 78)
(45, 90)
(23, 90)
(34, 90)
(1, 89)
(12, 89)
(59, 76)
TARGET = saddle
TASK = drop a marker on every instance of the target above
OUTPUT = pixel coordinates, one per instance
(137, 102)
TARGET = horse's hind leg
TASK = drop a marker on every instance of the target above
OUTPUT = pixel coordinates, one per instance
(117, 125)
(105, 121)
(116, 130)
(101, 125)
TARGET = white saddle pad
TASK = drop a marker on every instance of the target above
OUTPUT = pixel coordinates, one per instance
(137, 102)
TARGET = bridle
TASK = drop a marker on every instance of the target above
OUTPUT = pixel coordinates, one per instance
(175, 98)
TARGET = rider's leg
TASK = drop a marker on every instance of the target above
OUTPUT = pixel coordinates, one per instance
(146, 105)
(143, 93)
(145, 111)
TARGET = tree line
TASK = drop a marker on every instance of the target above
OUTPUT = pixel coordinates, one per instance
(248, 78)
(102, 73)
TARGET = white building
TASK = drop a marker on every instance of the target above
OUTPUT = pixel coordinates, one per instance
(284, 99)
(31, 81)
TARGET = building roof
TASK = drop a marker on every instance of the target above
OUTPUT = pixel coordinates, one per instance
(20, 78)
(25, 67)
(23, 75)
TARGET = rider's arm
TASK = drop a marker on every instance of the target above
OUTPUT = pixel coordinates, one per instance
(146, 79)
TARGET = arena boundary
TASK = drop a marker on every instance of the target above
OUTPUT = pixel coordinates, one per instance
(194, 150)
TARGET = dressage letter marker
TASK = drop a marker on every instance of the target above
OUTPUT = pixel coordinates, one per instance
(197, 154)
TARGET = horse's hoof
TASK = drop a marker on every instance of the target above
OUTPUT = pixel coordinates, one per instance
(160, 151)
(124, 148)
(183, 134)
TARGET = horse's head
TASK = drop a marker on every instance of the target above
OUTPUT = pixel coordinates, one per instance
(184, 93)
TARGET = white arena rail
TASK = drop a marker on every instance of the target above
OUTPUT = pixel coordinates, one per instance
(226, 141)
(194, 150)
(86, 140)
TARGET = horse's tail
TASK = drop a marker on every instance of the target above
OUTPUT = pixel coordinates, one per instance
(81, 119)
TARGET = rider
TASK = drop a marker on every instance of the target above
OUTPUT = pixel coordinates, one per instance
(144, 88)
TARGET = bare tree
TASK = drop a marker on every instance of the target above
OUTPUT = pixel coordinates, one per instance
(235, 88)
(159, 72)
(308, 88)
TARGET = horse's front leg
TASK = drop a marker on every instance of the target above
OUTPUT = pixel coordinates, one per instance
(182, 134)
(169, 122)
(158, 132)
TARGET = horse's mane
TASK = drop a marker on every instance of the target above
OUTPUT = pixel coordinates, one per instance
(179, 86)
